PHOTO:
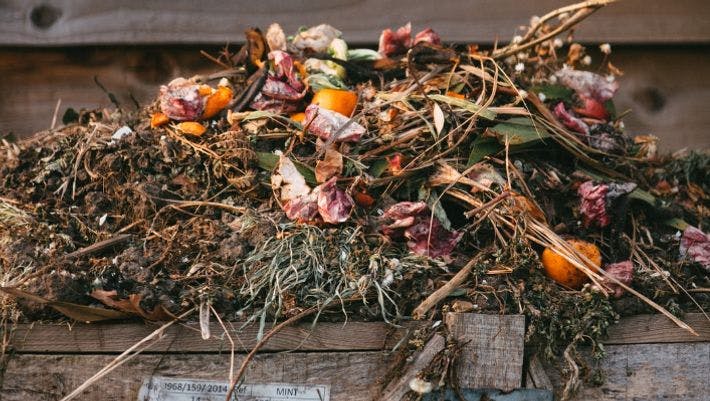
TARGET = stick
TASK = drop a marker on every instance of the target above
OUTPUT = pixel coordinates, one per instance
(96, 247)
(447, 288)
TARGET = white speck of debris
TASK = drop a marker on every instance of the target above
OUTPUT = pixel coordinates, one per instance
(541, 96)
(534, 20)
(185, 259)
(517, 39)
(420, 386)
(102, 219)
(553, 79)
(114, 260)
(436, 324)
(520, 67)
(605, 48)
(389, 278)
(523, 94)
(557, 43)
(119, 134)
(610, 78)
(587, 60)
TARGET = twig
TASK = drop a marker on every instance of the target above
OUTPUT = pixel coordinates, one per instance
(447, 288)
(98, 246)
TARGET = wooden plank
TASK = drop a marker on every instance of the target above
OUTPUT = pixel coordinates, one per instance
(352, 376)
(354, 336)
(71, 22)
(644, 329)
(650, 372)
(666, 89)
(116, 338)
(492, 356)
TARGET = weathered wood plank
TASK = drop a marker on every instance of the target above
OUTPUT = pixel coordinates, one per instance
(352, 376)
(64, 22)
(644, 329)
(354, 336)
(492, 356)
(398, 388)
(116, 338)
(650, 372)
(666, 89)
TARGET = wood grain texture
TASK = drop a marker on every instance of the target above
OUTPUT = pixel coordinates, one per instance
(666, 89)
(354, 336)
(646, 329)
(66, 22)
(49, 377)
(649, 372)
(492, 356)
(398, 388)
(116, 338)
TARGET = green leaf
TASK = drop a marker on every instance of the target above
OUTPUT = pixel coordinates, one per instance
(268, 161)
(519, 131)
(464, 104)
(482, 147)
(678, 224)
(378, 167)
(439, 212)
(554, 92)
(643, 196)
(325, 81)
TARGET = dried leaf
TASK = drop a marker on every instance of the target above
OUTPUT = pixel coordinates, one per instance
(205, 319)
(131, 305)
(334, 204)
(77, 312)
(331, 165)
(325, 124)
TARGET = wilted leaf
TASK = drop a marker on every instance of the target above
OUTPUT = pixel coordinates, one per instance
(331, 165)
(131, 305)
(77, 312)
(378, 167)
(519, 131)
(482, 147)
(268, 161)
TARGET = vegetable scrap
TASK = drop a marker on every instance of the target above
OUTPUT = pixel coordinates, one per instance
(309, 173)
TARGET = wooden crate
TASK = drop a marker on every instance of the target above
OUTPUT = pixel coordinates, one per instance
(648, 358)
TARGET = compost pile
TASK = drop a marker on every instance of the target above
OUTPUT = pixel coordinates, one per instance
(306, 174)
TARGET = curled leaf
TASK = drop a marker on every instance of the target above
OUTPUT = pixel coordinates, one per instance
(81, 313)
(331, 165)
(570, 121)
(427, 36)
(425, 235)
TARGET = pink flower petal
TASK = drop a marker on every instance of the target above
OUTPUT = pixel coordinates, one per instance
(180, 100)
(276, 89)
(593, 204)
(397, 42)
(413, 221)
(622, 271)
(334, 204)
(284, 69)
(325, 123)
(570, 121)
(695, 244)
(588, 84)
(427, 36)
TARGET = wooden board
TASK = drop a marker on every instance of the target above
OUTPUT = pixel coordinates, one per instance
(352, 375)
(654, 372)
(354, 336)
(492, 356)
(646, 329)
(211, 21)
(666, 89)
(116, 338)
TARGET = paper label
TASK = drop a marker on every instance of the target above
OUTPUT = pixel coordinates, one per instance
(177, 389)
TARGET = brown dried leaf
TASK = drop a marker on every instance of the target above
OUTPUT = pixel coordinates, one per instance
(331, 165)
(77, 312)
